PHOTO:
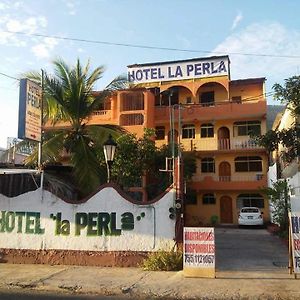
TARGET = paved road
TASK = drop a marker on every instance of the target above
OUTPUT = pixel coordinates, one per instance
(250, 265)
(35, 295)
(253, 249)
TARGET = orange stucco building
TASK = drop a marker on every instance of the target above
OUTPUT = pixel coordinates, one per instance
(217, 116)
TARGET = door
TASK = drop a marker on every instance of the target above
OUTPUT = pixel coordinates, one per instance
(224, 138)
(226, 209)
(224, 171)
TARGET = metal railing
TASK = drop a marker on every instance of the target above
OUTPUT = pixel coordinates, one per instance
(232, 178)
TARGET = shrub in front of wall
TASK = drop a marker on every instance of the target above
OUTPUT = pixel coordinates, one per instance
(163, 261)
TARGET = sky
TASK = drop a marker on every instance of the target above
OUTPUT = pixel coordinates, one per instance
(255, 34)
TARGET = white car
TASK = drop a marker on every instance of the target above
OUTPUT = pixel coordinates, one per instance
(250, 216)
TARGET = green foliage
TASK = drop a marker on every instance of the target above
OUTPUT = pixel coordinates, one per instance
(269, 141)
(289, 93)
(69, 97)
(279, 197)
(164, 261)
(214, 219)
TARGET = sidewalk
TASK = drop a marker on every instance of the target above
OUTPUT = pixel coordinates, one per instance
(138, 284)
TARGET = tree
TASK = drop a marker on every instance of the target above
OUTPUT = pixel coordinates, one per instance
(69, 97)
(138, 157)
(280, 200)
(288, 94)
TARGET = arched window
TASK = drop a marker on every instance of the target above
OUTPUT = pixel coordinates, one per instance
(248, 164)
(250, 200)
(207, 165)
(160, 132)
(209, 199)
(188, 131)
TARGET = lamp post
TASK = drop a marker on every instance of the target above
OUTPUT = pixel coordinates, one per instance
(109, 148)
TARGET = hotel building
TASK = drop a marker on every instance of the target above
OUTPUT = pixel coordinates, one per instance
(217, 117)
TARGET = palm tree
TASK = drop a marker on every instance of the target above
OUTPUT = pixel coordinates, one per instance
(69, 97)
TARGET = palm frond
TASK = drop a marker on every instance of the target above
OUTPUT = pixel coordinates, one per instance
(119, 83)
(86, 166)
(51, 150)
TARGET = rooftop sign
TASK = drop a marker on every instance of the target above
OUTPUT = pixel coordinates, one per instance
(180, 70)
(30, 110)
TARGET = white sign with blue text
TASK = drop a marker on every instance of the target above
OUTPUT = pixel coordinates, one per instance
(210, 67)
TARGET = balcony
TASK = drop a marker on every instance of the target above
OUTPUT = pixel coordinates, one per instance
(212, 144)
(100, 117)
(220, 111)
(235, 182)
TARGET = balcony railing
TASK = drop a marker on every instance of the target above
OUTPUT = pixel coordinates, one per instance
(232, 178)
(224, 110)
(212, 144)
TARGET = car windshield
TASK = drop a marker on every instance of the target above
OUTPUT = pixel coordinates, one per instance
(250, 210)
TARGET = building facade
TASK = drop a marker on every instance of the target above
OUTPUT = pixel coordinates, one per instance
(214, 117)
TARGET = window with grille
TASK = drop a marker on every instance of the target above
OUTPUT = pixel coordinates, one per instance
(207, 165)
(207, 130)
(248, 164)
(160, 133)
(132, 101)
(188, 131)
(131, 119)
(208, 199)
(250, 200)
(246, 128)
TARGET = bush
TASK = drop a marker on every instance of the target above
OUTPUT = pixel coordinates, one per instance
(214, 220)
(163, 261)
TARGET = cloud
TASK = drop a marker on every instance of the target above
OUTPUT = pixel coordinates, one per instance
(269, 38)
(238, 18)
(42, 50)
(72, 6)
(27, 25)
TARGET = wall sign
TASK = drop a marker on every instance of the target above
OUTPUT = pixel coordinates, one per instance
(199, 252)
(106, 222)
(189, 69)
(30, 112)
(295, 240)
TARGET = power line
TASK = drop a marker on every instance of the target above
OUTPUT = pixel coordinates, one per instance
(8, 76)
(147, 46)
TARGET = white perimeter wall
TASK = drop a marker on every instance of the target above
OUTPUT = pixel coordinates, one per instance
(153, 229)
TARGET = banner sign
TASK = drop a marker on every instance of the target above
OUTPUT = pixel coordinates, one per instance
(199, 252)
(30, 122)
(189, 69)
(295, 240)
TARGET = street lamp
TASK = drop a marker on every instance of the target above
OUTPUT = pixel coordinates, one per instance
(109, 148)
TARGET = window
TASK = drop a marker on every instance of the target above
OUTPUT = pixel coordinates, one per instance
(236, 99)
(208, 165)
(209, 199)
(191, 197)
(160, 133)
(188, 131)
(132, 101)
(246, 128)
(207, 98)
(189, 100)
(248, 164)
(170, 96)
(207, 130)
(250, 200)
(131, 119)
